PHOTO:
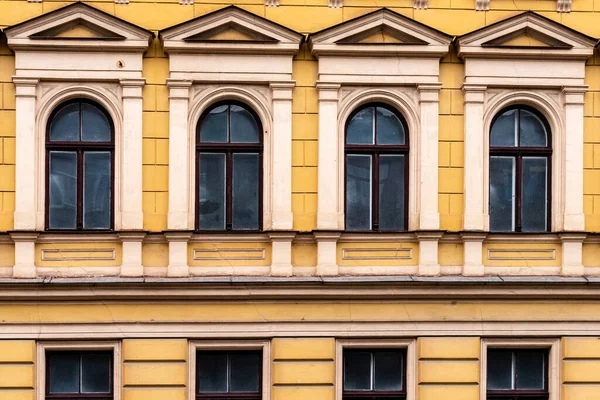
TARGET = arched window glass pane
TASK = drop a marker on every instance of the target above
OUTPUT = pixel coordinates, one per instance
(96, 195)
(358, 192)
(389, 128)
(64, 126)
(243, 126)
(95, 127)
(533, 131)
(212, 191)
(215, 125)
(246, 171)
(63, 190)
(505, 130)
(502, 193)
(535, 194)
(391, 192)
(361, 127)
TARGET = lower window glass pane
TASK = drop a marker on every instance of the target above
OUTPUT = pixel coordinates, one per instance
(97, 190)
(212, 191)
(388, 371)
(213, 372)
(502, 194)
(63, 374)
(63, 190)
(535, 194)
(391, 192)
(246, 172)
(95, 373)
(530, 370)
(499, 370)
(358, 192)
(245, 372)
(357, 370)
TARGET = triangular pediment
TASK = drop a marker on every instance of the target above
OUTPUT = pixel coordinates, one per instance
(231, 30)
(527, 35)
(77, 26)
(383, 32)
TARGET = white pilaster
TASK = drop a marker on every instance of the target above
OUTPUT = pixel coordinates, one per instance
(428, 158)
(428, 253)
(180, 215)
(473, 253)
(131, 156)
(327, 253)
(282, 217)
(574, 219)
(281, 253)
(474, 218)
(24, 254)
(178, 253)
(25, 178)
(330, 215)
(132, 253)
(572, 254)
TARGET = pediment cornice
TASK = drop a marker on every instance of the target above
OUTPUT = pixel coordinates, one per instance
(400, 35)
(77, 27)
(255, 35)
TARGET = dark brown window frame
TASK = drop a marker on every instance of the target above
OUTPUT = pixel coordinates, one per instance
(375, 394)
(229, 395)
(229, 149)
(518, 153)
(78, 396)
(520, 394)
(375, 150)
(80, 147)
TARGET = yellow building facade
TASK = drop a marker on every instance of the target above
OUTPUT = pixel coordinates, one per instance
(159, 291)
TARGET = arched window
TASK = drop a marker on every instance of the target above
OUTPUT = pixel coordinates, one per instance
(376, 170)
(80, 148)
(520, 161)
(229, 149)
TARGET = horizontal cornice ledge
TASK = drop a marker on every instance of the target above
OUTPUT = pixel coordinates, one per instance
(96, 46)
(377, 50)
(465, 52)
(180, 47)
(301, 288)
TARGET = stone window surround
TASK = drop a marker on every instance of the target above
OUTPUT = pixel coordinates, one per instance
(237, 345)
(411, 360)
(531, 343)
(40, 365)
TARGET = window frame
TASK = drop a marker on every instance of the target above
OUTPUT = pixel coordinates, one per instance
(375, 150)
(65, 396)
(517, 153)
(519, 394)
(410, 362)
(235, 346)
(550, 345)
(229, 149)
(78, 346)
(80, 148)
(374, 394)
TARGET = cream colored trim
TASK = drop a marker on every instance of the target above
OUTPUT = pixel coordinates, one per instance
(420, 4)
(564, 6)
(336, 3)
(411, 360)
(533, 343)
(272, 3)
(268, 330)
(264, 345)
(482, 5)
(42, 347)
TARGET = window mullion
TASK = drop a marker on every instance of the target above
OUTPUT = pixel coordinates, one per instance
(229, 191)
(80, 185)
(375, 190)
(519, 193)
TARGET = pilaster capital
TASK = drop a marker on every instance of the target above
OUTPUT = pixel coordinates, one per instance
(574, 95)
(328, 91)
(474, 93)
(429, 92)
(179, 88)
(429, 236)
(25, 87)
(326, 236)
(178, 236)
(473, 236)
(281, 236)
(132, 88)
(132, 236)
(24, 236)
(282, 90)
(572, 237)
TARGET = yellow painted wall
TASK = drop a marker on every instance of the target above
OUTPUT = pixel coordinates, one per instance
(454, 17)
(17, 370)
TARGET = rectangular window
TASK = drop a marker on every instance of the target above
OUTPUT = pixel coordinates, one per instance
(519, 373)
(229, 374)
(79, 375)
(374, 374)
